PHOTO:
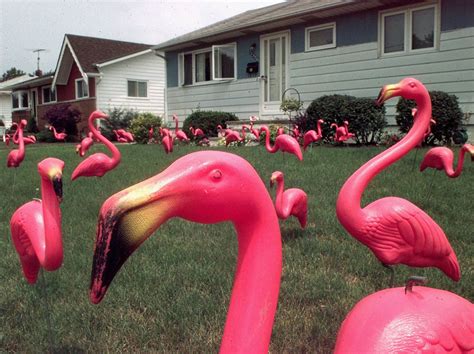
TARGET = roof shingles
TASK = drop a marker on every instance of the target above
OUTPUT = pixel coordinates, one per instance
(90, 51)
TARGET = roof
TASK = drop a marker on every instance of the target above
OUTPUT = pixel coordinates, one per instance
(5, 85)
(271, 17)
(90, 50)
(33, 82)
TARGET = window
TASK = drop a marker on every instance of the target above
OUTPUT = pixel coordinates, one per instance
(213, 64)
(137, 88)
(82, 90)
(20, 100)
(48, 95)
(409, 29)
(321, 37)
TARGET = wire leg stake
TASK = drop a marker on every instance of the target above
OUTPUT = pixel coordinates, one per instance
(47, 308)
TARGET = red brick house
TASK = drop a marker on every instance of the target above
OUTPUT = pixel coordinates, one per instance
(95, 73)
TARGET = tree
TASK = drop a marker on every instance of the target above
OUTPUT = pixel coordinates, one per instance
(12, 73)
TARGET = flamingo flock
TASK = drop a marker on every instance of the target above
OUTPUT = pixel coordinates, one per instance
(192, 188)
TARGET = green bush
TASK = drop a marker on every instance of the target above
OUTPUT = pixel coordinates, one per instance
(32, 127)
(119, 118)
(366, 120)
(64, 118)
(273, 128)
(445, 111)
(207, 121)
(45, 136)
(141, 124)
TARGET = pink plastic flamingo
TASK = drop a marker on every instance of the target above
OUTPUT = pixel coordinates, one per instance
(7, 139)
(119, 137)
(197, 133)
(36, 225)
(166, 140)
(254, 131)
(16, 156)
(296, 132)
(129, 217)
(442, 158)
(423, 320)
(293, 201)
(150, 134)
(30, 139)
(284, 143)
(58, 136)
(85, 145)
(280, 131)
(179, 134)
(126, 135)
(97, 164)
(394, 229)
(311, 136)
(232, 136)
(342, 132)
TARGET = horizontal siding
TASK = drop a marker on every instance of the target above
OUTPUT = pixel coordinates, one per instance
(112, 87)
(239, 97)
(358, 70)
(6, 109)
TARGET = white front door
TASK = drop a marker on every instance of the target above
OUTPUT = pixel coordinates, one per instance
(274, 80)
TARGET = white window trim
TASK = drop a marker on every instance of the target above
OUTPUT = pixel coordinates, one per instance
(408, 11)
(318, 28)
(51, 90)
(138, 97)
(21, 108)
(200, 51)
(76, 91)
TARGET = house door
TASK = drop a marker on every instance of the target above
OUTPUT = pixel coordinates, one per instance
(274, 80)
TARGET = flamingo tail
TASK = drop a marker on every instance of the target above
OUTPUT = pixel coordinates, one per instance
(29, 261)
(450, 267)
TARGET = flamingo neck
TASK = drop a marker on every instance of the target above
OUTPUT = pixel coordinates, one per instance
(348, 206)
(176, 126)
(53, 250)
(243, 132)
(21, 143)
(254, 297)
(318, 125)
(267, 140)
(279, 194)
(455, 173)
(112, 148)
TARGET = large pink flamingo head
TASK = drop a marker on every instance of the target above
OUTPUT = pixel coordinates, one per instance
(51, 170)
(215, 194)
(23, 123)
(98, 115)
(409, 88)
(276, 177)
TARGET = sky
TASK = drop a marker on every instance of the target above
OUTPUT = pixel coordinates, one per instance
(28, 25)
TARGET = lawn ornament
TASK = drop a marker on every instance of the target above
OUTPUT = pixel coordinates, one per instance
(58, 136)
(395, 230)
(97, 164)
(129, 217)
(284, 143)
(254, 131)
(27, 140)
(16, 156)
(166, 140)
(150, 134)
(293, 201)
(280, 131)
(442, 158)
(296, 132)
(126, 135)
(36, 225)
(85, 145)
(179, 134)
(397, 320)
(232, 136)
(197, 133)
(311, 136)
(119, 137)
(342, 132)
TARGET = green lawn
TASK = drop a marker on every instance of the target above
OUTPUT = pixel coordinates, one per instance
(173, 293)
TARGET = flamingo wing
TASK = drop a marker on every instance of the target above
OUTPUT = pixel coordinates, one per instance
(95, 165)
(295, 202)
(400, 232)
(27, 231)
(440, 158)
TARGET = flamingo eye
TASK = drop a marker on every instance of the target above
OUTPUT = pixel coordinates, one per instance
(216, 175)
(412, 84)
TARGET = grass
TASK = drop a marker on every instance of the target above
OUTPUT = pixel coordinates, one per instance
(173, 293)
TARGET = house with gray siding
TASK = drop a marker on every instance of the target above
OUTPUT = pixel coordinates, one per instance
(245, 64)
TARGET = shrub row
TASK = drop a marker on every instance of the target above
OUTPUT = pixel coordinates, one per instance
(207, 121)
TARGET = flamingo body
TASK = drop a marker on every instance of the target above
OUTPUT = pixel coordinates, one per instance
(424, 320)
(310, 137)
(291, 202)
(97, 164)
(179, 134)
(85, 145)
(36, 226)
(166, 140)
(394, 229)
(129, 217)
(442, 158)
(16, 156)
(342, 132)
(283, 142)
(58, 136)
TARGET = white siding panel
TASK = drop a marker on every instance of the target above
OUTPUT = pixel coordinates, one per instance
(240, 97)
(6, 109)
(359, 70)
(112, 86)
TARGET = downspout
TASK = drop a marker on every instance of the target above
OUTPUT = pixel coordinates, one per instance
(165, 93)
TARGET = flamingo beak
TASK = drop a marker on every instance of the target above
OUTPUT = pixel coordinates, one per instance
(58, 187)
(388, 91)
(126, 220)
(272, 181)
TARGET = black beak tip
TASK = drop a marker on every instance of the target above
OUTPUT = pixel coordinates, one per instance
(58, 187)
